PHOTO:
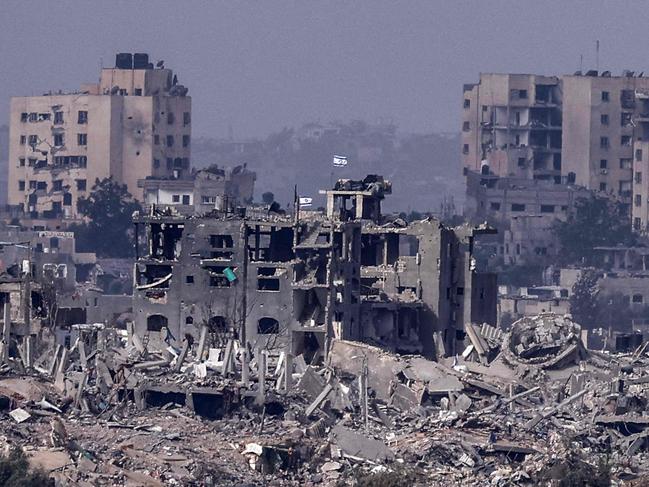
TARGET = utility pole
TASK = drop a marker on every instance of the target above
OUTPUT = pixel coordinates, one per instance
(244, 303)
(363, 390)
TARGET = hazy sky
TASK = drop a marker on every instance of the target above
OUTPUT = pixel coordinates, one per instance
(259, 66)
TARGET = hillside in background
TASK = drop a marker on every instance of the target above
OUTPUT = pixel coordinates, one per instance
(424, 168)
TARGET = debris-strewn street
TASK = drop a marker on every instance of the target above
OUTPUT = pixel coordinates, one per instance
(521, 408)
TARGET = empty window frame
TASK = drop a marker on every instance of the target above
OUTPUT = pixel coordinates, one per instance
(267, 279)
(217, 276)
(221, 241)
(267, 326)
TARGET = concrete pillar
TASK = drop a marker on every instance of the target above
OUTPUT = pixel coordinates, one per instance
(261, 376)
(245, 372)
(6, 330)
(288, 372)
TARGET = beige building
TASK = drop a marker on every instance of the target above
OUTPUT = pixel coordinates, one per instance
(136, 122)
(512, 123)
(203, 191)
(640, 210)
(578, 129)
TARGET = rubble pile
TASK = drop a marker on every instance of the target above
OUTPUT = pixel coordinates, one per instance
(529, 407)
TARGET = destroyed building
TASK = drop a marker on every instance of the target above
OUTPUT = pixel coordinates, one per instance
(201, 191)
(297, 281)
(278, 280)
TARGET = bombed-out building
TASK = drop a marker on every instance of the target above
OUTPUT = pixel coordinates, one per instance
(276, 280)
(292, 282)
(419, 285)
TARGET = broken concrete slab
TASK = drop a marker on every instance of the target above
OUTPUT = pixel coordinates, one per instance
(19, 415)
(357, 446)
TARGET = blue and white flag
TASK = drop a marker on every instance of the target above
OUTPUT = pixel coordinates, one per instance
(304, 202)
(340, 161)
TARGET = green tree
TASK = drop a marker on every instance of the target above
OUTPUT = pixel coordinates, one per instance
(585, 301)
(109, 231)
(16, 472)
(596, 222)
(615, 311)
(268, 197)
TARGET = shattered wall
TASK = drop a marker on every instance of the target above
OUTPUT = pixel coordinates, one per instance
(290, 283)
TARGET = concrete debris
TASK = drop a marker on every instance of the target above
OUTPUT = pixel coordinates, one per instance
(19, 415)
(518, 411)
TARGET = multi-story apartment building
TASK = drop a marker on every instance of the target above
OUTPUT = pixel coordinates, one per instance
(640, 211)
(136, 122)
(512, 122)
(577, 129)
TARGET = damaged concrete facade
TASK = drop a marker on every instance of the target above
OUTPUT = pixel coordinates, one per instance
(134, 123)
(278, 281)
(293, 283)
(201, 191)
(586, 129)
(419, 285)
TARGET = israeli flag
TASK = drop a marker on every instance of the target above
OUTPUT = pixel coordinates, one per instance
(305, 202)
(340, 161)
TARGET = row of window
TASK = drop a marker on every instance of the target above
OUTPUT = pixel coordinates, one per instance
(176, 198)
(59, 140)
(57, 185)
(517, 207)
(170, 140)
(171, 118)
(56, 205)
(627, 98)
(80, 161)
(267, 279)
(82, 117)
(265, 326)
(625, 119)
(82, 140)
(173, 163)
(625, 140)
(624, 187)
(625, 162)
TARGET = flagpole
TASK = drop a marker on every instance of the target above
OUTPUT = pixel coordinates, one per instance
(296, 204)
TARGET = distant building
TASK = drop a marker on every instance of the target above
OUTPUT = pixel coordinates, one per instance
(201, 191)
(524, 211)
(136, 122)
(4, 162)
(51, 256)
(578, 129)
(498, 199)
(530, 301)
(512, 122)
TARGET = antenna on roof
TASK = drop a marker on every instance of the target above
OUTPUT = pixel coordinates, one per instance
(581, 63)
(597, 54)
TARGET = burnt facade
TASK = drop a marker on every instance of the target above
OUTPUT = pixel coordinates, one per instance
(419, 285)
(294, 282)
(270, 280)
